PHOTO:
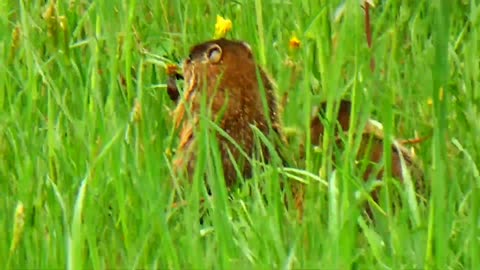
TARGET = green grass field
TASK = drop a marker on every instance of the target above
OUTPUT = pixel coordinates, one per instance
(86, 136)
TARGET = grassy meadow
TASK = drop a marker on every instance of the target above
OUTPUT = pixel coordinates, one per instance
(86, 136)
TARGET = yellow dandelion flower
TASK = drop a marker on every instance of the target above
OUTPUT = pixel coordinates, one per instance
(222, 27)
(294, 43)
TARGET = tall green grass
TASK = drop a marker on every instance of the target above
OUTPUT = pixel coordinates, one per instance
(86, 136)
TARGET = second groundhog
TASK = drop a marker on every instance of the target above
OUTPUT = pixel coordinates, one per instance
(371, 151)
(226, 72)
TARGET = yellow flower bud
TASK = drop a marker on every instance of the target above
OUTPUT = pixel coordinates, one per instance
(294, 43)
(222, 27)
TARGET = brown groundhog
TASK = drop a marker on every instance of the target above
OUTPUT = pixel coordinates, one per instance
(226, 71)
(370, 153)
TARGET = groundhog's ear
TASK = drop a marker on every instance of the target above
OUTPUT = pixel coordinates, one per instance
(214, 54)
(248, 48)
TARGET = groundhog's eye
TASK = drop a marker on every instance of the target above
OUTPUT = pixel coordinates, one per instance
(214, 54)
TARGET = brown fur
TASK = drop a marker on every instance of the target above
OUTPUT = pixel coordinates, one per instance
(226, 72)
(371, 148)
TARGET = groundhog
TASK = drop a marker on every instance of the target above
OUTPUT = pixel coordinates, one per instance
(370, 153)
(234, 84)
